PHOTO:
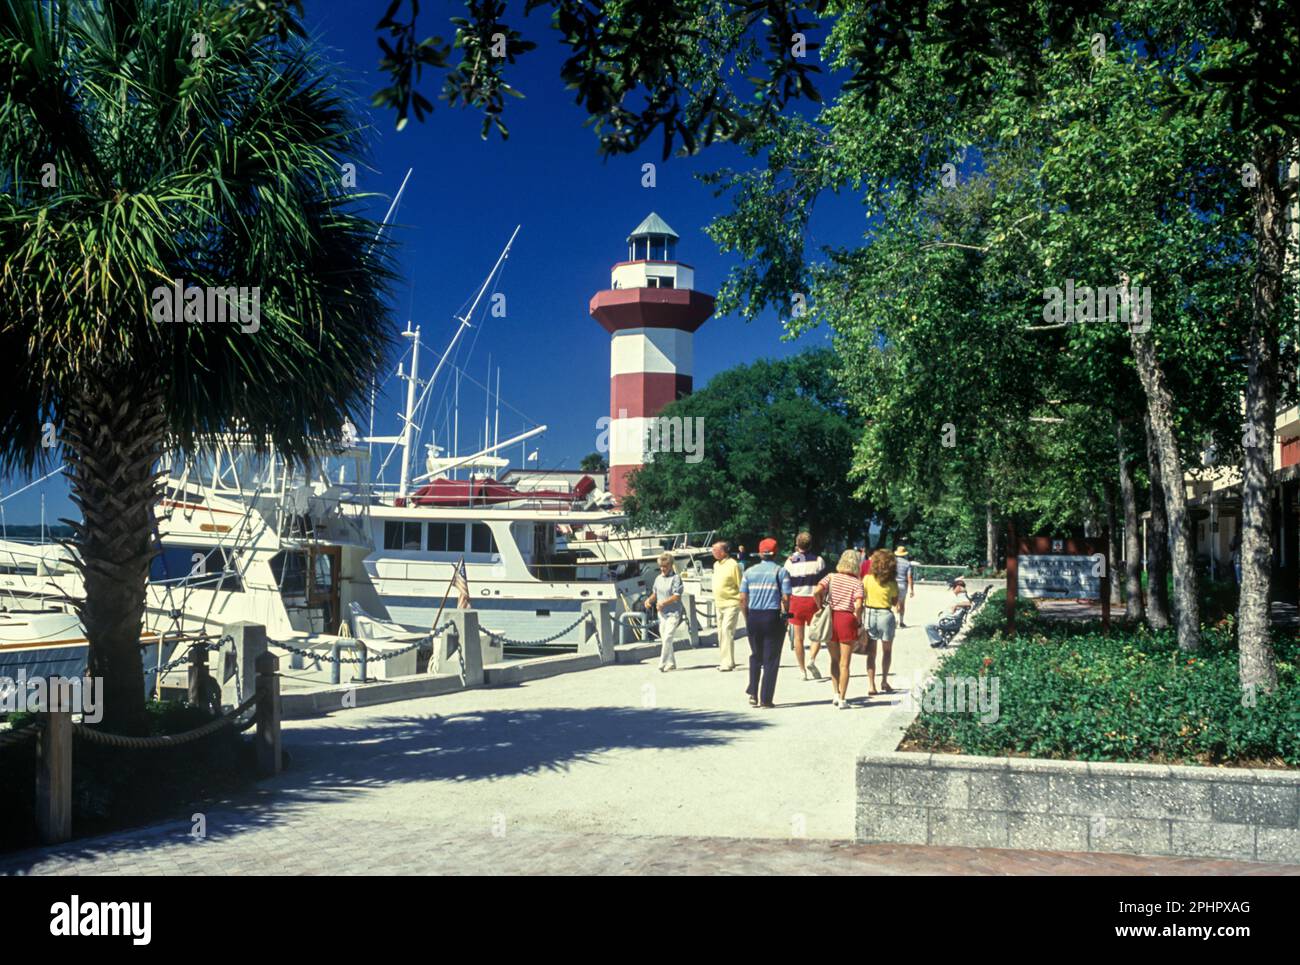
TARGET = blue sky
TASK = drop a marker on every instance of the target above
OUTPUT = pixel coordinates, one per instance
(466, 196)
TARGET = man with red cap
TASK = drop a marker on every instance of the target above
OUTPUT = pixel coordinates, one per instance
(764, 602)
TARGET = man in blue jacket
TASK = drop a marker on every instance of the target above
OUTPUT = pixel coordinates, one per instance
(764, 602)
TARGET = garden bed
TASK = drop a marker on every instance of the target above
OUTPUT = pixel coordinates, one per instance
(1093, 743)
(1067, 691)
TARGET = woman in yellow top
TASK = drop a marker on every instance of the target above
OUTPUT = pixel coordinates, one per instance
(881, 590)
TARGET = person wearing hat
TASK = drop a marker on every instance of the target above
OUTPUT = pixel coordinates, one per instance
(906, 585)
(960, 602)
(764, 601)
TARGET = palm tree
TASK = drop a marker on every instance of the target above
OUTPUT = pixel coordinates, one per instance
(151, 145)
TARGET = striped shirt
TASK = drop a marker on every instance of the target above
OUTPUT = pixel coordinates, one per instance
(804, 569)
(763, 585)
(843, 590)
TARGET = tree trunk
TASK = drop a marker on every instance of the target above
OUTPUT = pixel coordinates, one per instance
(1256, 665)
(990, 539)
(1133, 609)
(1187, 611)
(1157, 542)
(114, 438)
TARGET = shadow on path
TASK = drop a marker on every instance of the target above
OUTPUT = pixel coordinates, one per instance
(331, 762)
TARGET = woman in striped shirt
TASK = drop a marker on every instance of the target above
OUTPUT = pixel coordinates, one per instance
(842, 591)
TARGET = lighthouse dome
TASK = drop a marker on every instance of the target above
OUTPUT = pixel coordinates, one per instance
(652, 240)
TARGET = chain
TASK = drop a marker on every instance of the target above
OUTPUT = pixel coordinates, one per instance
(185, 655)
(371, 655)
(536, 643)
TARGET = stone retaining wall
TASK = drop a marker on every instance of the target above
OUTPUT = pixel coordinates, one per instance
(946, 799)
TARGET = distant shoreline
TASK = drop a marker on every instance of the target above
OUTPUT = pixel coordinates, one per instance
(33, 531)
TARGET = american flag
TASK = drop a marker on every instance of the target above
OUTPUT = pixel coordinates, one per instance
(461, 582)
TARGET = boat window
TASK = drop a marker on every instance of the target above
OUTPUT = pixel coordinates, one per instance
(481, 539)
(200, 567)
(399, 535)
(446, 537)
(290, 571)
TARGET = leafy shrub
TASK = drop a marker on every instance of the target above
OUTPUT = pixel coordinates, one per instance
(1066, 690)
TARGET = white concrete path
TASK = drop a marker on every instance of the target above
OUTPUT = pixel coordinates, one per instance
(622, 749)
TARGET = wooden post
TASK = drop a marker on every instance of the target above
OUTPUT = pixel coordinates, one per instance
(268, 715)
(198, 675)
(54, 779)
(1013, 570)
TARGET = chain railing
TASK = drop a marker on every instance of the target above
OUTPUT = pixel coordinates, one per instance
(586, 615)
(319, 655)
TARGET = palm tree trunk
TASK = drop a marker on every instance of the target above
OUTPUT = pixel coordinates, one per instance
(1187, 613)
(1133, 609)
(1256, 665)
(1157, 542)
(114, 437)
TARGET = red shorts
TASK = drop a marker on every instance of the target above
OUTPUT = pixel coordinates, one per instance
(802, 609)
(844, 626)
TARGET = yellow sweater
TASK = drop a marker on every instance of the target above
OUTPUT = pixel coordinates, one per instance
(879, 596)
(726, 582)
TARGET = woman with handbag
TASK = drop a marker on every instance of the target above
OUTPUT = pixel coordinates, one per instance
(881, 590)
(842, 592)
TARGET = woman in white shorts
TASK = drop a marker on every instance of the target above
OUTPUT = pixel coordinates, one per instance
(880, 588)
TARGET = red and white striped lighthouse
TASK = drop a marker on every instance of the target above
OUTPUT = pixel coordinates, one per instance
(652, 310)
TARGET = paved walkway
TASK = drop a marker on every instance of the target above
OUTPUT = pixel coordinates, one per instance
(619, 769)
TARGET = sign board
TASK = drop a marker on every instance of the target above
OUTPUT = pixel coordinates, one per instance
(1043, 567)
(1058, 576)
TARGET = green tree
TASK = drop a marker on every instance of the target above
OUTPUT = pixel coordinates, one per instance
(675, 68)
(777, 446)
(594, 462)
(147, 141)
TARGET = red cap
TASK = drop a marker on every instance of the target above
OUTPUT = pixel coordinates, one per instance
(767, 546)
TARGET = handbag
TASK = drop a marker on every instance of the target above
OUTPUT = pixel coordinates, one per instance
(861, 644)
(819, 627)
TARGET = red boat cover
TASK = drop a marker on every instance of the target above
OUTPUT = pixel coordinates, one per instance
(485, 492)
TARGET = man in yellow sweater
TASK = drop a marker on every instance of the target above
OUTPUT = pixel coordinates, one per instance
(726, 602)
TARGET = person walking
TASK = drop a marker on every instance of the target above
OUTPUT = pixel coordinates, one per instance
(666, 597)
(805, 569)
(764, 601)
(882, 597)
(726, 602)
(842, 591)
(960, 601)
(906, 584)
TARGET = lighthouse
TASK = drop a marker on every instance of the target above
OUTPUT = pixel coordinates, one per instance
(651, 310)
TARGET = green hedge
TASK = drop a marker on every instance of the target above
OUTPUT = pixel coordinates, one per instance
(1067, 691)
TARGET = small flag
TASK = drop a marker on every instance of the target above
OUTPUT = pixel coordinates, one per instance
(532, 456)
(461, 582)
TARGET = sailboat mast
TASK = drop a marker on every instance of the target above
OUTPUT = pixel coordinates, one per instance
(408, 419)
(370, 444)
